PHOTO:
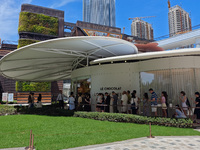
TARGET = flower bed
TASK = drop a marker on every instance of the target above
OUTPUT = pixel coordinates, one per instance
(128, 118)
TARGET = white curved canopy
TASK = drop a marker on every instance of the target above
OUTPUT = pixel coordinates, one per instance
(53, 60)
(150, 55)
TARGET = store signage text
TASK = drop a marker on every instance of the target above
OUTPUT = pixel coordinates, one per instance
(110, 88)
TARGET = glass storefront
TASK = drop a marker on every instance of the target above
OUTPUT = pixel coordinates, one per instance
(82, 85)
(173, 81)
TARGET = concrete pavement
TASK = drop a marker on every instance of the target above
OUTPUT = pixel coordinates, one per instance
(158, 143)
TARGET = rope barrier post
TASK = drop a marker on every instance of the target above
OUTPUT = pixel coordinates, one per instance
(30, 139)
(32, 147)
(30, 142)
(150, 135)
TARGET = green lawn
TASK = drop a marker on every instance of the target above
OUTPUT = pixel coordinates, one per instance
(53, 133)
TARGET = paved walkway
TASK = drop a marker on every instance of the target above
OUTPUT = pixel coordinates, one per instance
(158, 143)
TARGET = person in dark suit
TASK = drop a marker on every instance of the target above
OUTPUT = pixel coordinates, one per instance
(107, 102)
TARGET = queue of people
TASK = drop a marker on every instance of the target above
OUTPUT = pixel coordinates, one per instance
(128, 102)
(131, 103)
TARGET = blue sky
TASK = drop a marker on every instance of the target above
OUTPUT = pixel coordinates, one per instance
(9, 12)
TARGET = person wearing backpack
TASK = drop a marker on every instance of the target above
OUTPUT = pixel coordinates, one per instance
(184, 102)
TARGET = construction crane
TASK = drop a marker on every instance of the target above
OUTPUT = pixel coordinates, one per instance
(139, 18)
(169, 4)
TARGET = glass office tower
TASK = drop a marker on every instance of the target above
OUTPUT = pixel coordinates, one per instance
(99, 12)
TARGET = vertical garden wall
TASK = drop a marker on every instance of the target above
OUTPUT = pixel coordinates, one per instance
(32, 23)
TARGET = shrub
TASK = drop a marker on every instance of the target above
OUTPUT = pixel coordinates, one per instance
(128, 118)
(9, 110)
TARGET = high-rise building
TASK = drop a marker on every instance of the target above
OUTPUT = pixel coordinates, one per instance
(179, 20)
(142, 29)
(99, 12)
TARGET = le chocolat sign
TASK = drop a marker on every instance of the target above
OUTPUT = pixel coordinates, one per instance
(110, 88)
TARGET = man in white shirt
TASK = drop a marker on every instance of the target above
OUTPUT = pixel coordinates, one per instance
(124, 101)
(60, 98)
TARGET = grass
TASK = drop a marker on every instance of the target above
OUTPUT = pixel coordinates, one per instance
(53, 133)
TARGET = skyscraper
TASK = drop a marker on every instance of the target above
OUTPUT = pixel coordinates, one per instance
(179, 20)
(99, 12)
(142, 29)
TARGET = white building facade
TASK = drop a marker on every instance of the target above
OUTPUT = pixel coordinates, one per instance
(142, 29)
(179, 21)
(99, 12)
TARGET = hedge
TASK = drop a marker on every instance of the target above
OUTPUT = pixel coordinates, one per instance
(128, 118)
(45, 110)
(38, 23)
(33, 86)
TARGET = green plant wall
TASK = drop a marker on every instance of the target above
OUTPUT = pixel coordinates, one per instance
(38, 23)
(33, 86)
(24, 42)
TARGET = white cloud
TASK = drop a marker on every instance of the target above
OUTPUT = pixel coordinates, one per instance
(60, 3)
(9, 17)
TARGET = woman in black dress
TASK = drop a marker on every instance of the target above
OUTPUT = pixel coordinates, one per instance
(87, 102)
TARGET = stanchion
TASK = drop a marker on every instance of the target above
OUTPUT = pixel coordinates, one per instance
(150, 135)
(31, 142)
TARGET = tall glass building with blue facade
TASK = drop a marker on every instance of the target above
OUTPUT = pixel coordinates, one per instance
(99, 12)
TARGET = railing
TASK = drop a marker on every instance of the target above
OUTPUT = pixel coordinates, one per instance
(177, 33)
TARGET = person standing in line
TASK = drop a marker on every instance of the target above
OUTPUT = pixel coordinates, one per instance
(39, 100)
(134, 102)
(145, 104)
(83, 102)
(107, 102)
(111, 104)
(154, 102)
(30, 99)
(87, 102)
(33, 99)
(102, 103)
(60, 98)
(197, 109)
(119, 103)
(129, 102)
(163, 102)
(115, 100)
(71, 101)
(183, 99)
(124, 101)
(99, 102)
(79, 108)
